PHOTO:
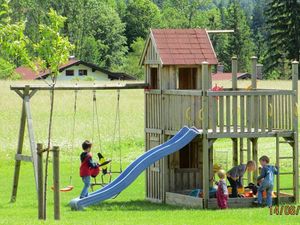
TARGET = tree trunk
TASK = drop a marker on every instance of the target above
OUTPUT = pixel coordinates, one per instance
(48, 148)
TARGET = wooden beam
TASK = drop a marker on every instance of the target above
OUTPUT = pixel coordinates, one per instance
(234, 67)
(25, 158)
(250, 93)
(40, 178)
(234, 151)
(31, 137)
(80, 87)
(254, 155)
(219, 31)
(295, 69)
(19, 151)
(56, 183)
(19, 93)
(205, 144)
(253, 72)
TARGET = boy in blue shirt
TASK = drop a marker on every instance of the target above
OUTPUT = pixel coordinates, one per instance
(266, 180)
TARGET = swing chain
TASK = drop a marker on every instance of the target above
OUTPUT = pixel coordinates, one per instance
(73, 134)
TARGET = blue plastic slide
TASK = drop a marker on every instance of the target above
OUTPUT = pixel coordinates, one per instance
(181, 139)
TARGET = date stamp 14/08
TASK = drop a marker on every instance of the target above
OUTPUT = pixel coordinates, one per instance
(287, 210)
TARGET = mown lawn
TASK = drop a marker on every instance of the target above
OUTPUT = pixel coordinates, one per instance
(130, 206)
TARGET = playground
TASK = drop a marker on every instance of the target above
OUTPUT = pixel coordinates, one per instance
(130, 206)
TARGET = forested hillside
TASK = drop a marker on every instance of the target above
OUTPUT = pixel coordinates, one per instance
(111, 33)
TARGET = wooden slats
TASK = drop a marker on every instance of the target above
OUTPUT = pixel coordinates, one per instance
(226, 114)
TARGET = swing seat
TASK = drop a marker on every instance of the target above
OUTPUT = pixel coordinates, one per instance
(65, 189)
(105, 163)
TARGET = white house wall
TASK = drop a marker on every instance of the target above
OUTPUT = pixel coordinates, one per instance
(97, 75)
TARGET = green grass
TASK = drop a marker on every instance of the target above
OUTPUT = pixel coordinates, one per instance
(130, 206)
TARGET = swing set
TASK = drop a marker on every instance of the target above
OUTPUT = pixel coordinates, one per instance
(26, 92)
(102, 161)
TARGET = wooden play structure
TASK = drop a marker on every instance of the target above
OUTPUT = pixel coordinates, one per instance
(178, 64)
(179, 92)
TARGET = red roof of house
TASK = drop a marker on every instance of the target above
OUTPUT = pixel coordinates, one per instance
(29, 74)
(224, 76)
(184, 46)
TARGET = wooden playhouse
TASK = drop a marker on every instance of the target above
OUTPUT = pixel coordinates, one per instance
(178, 64)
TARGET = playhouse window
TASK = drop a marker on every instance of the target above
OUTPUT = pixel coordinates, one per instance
(69, 72)
(187, 78)
(82, 72)
(154, 78)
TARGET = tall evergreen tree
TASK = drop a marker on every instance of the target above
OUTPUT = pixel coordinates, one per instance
(284, 33)
(258, 28)
(240, 43)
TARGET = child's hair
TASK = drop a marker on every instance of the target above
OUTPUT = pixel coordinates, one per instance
(251, 163)
(86, 145)
(221, 174)
(264, 158)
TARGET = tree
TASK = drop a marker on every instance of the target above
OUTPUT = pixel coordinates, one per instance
(284, 33)
(240, 43)
(258, 28)
(141, 15)
(52, 50)
(183, 13)
(13, 41)
(97, 32)
(131, 63)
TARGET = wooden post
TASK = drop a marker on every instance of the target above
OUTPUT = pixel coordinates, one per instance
(254, 154)
(249, 158)
(40, 178)
(56, 182)
(253, 72)
(241, 150)
(295, 66)
(278, 175)
(234, 72)
(205, 106)
(234, 151)
(31, 135)
(19, 151)
(234, 111)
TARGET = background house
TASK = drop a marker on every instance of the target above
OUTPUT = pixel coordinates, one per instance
(75, 69)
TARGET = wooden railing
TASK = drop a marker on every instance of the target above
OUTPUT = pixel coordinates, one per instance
(229, 111)
(250, 111)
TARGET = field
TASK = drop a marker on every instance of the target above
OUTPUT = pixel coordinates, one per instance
(130, 206)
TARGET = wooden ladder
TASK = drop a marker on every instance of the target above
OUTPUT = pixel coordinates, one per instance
(278, 159)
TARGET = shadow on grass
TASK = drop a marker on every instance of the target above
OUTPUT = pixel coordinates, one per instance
(136, 205)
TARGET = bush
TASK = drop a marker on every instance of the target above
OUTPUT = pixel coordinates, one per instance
(7, 71)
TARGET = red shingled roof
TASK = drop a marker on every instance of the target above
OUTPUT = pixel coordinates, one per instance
(184, 46)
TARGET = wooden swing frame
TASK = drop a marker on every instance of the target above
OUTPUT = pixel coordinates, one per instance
(26, 92)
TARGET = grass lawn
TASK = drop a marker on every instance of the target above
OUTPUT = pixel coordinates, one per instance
(129, 207)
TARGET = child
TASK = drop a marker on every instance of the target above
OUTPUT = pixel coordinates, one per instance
(222, 191)
(235, 176)
(85, 168)
(266, 180)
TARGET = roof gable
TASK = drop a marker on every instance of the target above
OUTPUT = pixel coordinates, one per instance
(180, 47)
